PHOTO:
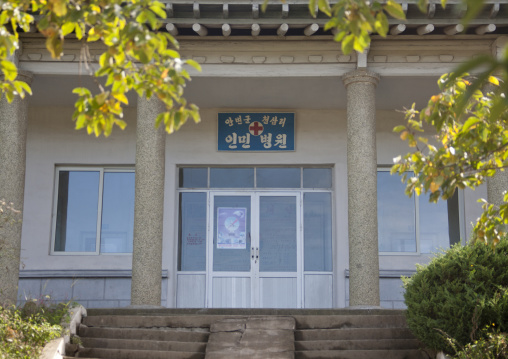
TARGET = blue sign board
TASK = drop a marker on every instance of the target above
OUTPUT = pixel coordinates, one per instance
(256, 131)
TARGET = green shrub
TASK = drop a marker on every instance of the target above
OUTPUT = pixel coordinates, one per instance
(24, 331)
(493, 345)
(459, 292)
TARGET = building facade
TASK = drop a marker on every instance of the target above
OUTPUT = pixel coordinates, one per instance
(280, 198)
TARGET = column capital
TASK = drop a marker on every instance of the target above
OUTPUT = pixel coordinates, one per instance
(361, 75)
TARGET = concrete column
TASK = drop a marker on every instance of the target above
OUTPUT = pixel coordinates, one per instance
(362, 188)
(13, 127)
(496, 186)
(149, 206)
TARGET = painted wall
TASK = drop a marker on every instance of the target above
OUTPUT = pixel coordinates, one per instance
(52, 140)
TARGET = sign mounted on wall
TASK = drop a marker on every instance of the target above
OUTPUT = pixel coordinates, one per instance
(256, 131)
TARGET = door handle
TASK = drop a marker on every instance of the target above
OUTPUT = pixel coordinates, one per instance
(252, 253)
(257, 255)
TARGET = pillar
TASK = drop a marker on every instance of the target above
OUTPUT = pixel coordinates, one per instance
(13, 128)
(149, 206)
(496, 186)
(362, 188)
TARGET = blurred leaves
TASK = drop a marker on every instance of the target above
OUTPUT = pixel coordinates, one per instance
(470, 117)
(137, 57)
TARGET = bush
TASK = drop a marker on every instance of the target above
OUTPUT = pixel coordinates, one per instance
(457, 293)
(24, 331)
(494, 345)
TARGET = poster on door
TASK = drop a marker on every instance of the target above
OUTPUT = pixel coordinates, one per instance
(231, 228)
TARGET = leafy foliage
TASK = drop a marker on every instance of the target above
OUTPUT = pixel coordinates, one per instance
(493, 345)
(137, 57)
(354, 20)
(25, 331)
(458, 293)
(471, 143)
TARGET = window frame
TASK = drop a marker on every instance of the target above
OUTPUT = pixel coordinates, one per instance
(416, 202)
(301, 191)
(102, 170)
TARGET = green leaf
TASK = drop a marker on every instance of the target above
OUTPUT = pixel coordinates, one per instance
(324, 6)
(494, 80)
(469, 123)
(264, 5)
(67, 28)
(158, 10)
(348, 43)
(312, 7)
(59, 7)
(9, 70)
(395, 9)
(121, 97)
(194, 64)
(381, 24)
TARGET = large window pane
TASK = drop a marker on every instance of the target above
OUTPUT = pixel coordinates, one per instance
(76, 222)
(434, 232)
(193, 177)
(117, 212)
(192, 256)
(277, 234)
(232, 177)
(278, 177)
(317, 236)
(396, 215)
(317, 178)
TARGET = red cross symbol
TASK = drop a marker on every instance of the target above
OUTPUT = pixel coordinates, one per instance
(256, 128)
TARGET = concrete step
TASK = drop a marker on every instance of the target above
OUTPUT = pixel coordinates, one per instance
(361, 354)
(108, 343)
(140, 321)
(353, 334)
(384, 344)
(204, 321)
(135, 354)
(349, 321)
(162, 334)
(268, 337)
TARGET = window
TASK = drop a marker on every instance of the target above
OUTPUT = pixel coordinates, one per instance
(413, 225)
(94, 211)
(312, 184)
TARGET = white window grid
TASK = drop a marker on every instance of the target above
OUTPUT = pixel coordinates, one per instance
(101, 171)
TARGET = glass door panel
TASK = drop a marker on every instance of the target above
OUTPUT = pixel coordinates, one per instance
(277, 234)
(231, 234)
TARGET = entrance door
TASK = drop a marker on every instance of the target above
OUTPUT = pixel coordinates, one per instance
(255, 256)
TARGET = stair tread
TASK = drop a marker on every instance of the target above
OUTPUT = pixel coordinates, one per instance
(136, 354)
(360, 344)
(144, 333)
(139, 344)
(353, 333)
(361, 354)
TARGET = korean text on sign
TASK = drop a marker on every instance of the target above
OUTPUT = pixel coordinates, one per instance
(256, 132)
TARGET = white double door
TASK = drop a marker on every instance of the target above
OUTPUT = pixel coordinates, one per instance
(255, 258)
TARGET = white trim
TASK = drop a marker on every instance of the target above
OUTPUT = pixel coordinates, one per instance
(101, 170)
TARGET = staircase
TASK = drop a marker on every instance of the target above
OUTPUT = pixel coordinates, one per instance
(359, 335)
(127, 333)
